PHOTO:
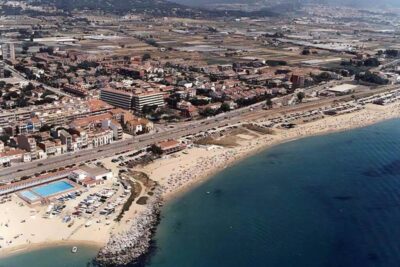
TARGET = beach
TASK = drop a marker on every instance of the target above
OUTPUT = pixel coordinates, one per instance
(176, 174)
(183, 170)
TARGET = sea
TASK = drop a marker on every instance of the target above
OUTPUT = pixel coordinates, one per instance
(324, 201)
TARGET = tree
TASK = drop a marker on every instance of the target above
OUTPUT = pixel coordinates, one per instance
(306, 52)
(225, 107)
(146, 57)
(371, 62)
(149, 109)
(156, 150)
(300, 96)
(4, 138)
(45, 128)
(269, 103)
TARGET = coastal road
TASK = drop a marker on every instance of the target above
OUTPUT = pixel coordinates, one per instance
(139, 142)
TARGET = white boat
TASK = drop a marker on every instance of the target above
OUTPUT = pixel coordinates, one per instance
(74, 249)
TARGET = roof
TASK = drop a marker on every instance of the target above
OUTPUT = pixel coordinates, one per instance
(94, 171)
(12, 153)
(343, 88)
(168, 144)
(97, 104)
(90, 119)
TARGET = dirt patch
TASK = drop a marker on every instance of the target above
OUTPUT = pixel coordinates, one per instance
(258, 129)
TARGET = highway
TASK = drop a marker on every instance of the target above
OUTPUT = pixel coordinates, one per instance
(244, 114)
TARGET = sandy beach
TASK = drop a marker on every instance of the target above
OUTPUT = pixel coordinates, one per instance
(181, 171)
(176, 174)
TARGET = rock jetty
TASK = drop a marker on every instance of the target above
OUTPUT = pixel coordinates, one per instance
(127, 247)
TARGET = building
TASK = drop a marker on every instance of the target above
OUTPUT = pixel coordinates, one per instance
(115, 127)
(16, 155)
(90, 122)
(53, 148)
(100, 138)
(28, 144)
(2, 69)
(343, 89)
(138, 125)
(117, 98)
(130, 100)
(170, 146)
(90, 176)
(8, 51)
(31, 125)
(297, 80)
(147, 99)
(66, 139)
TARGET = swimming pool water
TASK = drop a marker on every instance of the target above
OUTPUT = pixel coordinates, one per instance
(53, 188)
(29, 195)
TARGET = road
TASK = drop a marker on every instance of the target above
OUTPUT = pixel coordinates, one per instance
(19, 75)
(389, 64)
(139, 142)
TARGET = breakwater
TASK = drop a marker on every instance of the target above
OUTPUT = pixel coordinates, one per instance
(128, 246)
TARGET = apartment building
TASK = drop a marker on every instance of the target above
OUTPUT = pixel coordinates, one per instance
(2, 68)
(130, 100)
(27, 143)
(100, 138)
(8, 50)
(29, 126)
(66, 139)
(147, 99)
(117, 98)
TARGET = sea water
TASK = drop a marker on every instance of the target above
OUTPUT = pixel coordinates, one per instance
(321, 201)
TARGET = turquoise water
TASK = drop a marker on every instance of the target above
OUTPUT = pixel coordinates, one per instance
(329, 201)
(52, 188)
(52, 257)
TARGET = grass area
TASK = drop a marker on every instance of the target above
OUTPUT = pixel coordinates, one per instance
(229, 141)
(142, 200)
(258, 129)
(143, 178)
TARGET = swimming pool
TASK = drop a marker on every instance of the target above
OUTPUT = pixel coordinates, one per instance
(29, 195)
(52, 188)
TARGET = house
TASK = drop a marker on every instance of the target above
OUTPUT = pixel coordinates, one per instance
(138, 125)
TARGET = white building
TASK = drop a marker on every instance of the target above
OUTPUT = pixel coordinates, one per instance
(90, 176)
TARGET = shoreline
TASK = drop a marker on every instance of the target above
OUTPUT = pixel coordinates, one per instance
(230, 157)
(171, 196)
(22, 249)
